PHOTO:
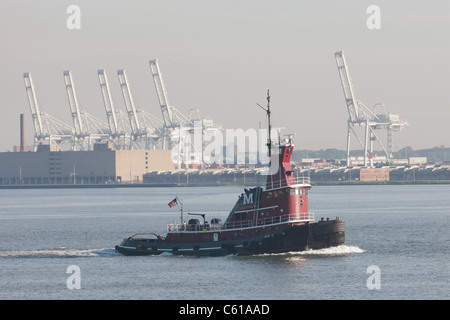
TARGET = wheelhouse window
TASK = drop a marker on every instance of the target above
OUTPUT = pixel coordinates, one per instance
(303, 191)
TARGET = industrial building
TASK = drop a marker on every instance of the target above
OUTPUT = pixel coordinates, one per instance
(100, 166)
(428, 174)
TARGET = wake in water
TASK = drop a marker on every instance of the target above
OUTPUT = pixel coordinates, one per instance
(325, 252)
(59, 252)
(68, 253)
(332, 251)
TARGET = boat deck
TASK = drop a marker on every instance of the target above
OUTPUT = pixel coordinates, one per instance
(261, 222)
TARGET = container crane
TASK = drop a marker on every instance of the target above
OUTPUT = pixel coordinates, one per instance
(136, 131)
(166, 109)
(171, 116)
(144, 127)
(84, 123)
(115, 118)
(360, 115)
(47, 129)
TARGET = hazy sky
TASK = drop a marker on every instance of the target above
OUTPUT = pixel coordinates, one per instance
(222, 56)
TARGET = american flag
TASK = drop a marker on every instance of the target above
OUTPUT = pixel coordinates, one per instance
(173, 203)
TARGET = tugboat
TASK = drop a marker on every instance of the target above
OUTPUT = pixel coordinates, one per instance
(274, 219)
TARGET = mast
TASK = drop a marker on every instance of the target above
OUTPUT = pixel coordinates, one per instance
(181, 209)
(269, 123)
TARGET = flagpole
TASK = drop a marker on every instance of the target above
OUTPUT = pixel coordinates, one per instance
(181, 209)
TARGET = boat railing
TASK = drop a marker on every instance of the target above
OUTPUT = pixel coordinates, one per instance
(293, 217)
(176, 227)
(145, 236)
(274, 184)
(261, 222)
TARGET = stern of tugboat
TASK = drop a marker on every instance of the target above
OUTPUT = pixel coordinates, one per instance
(326, 233)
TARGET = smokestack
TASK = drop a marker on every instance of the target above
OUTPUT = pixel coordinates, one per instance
(22, 133)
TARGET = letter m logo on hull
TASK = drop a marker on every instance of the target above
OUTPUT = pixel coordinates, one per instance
(248, 198)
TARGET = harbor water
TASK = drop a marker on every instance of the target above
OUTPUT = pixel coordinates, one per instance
(397, 246)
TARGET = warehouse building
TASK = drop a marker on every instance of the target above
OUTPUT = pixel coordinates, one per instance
(100, 166)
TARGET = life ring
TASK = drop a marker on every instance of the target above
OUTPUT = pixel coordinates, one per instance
(260, 222)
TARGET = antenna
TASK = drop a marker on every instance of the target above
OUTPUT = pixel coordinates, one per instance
(269, 124)
(289, 137)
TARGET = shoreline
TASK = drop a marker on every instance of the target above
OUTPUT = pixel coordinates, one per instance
(86, 186)
(213, 184)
